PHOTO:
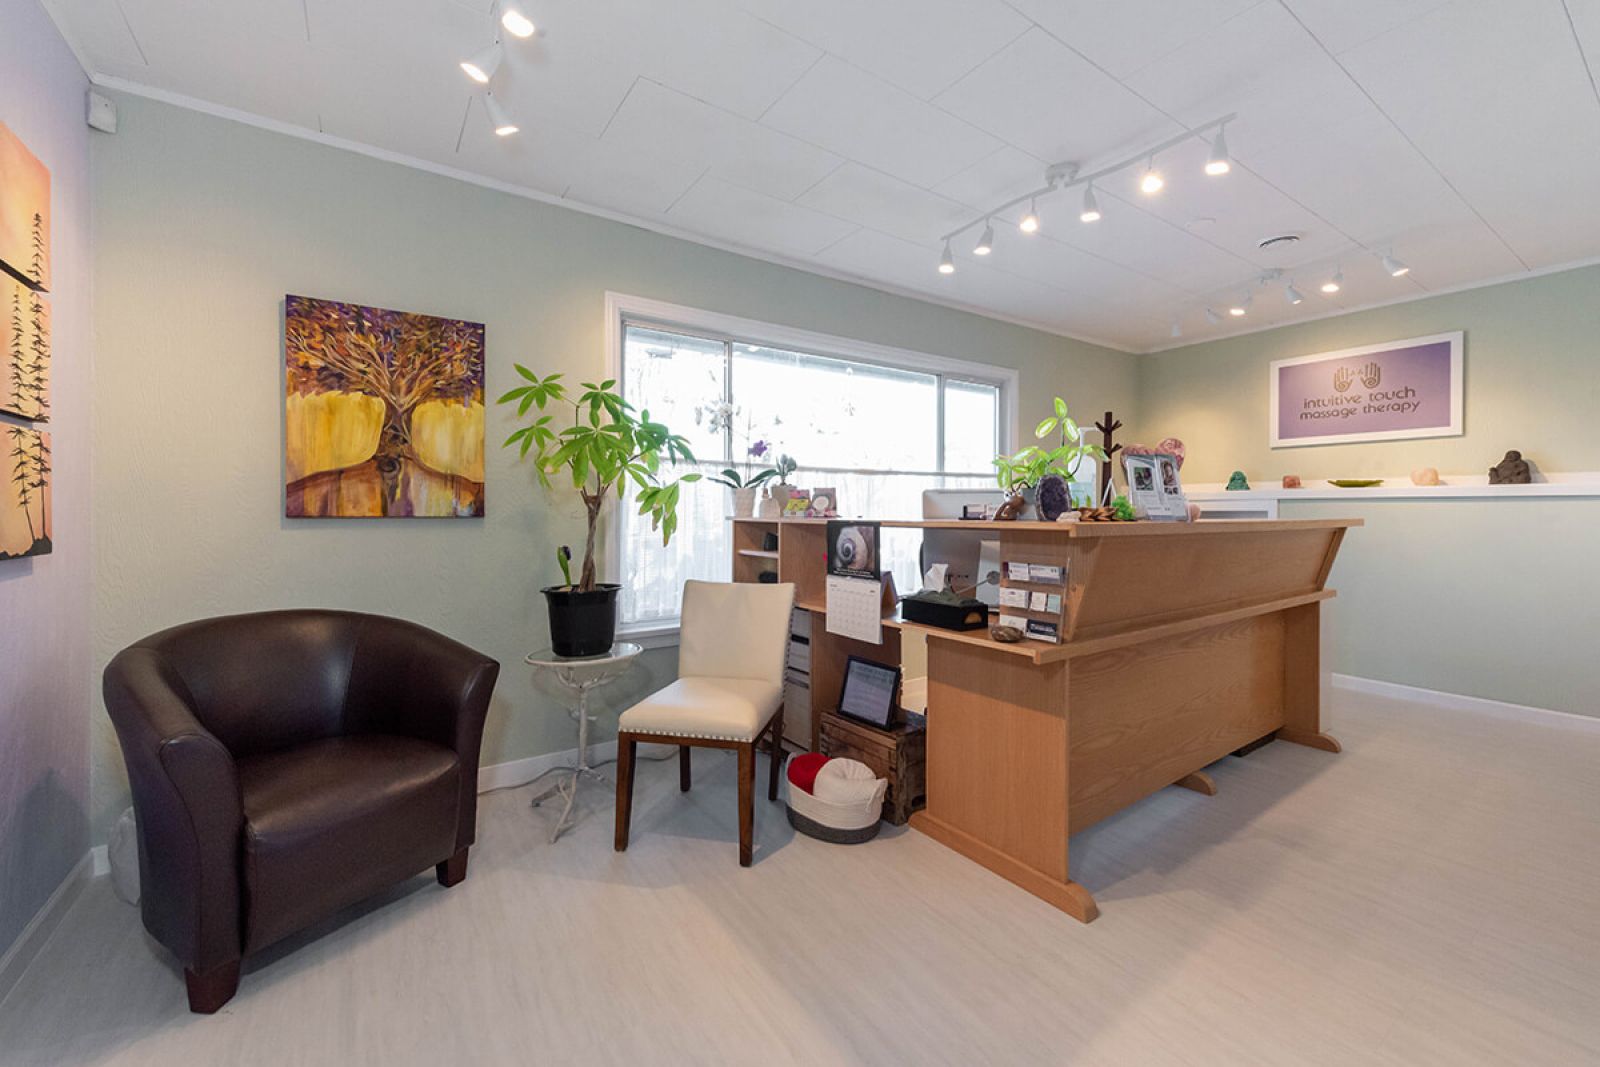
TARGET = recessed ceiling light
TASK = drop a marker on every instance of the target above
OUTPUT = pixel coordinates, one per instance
(481, 67)
(985, 243)
(1335, 283)
(516, 23)
(947, 262)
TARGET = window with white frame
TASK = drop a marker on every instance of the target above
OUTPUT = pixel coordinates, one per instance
(878, 425)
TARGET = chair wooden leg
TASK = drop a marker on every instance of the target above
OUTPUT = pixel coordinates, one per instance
(452, 870)
(776, 741)
(683, 768)
(627, 747)
(210, 991)
(747, 802)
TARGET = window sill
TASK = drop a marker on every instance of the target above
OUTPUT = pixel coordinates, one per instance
(648, 635)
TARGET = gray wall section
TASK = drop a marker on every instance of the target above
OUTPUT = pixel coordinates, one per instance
(44, 602)
(1490, 598)
(203, 226)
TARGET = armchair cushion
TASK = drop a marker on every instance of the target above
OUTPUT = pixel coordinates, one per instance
(332, 821)
(723, 709)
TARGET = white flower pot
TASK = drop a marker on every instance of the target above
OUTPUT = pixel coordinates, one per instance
(744, 502)
(772, 504)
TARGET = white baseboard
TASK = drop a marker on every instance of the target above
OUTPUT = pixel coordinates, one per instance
(100, 859)
(517, 772)
(1460, 702)
(44, 922)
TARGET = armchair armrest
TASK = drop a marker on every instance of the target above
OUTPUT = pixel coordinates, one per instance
(407, 679)
(190, 815)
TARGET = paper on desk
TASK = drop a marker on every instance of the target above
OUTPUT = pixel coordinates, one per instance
(855, 608)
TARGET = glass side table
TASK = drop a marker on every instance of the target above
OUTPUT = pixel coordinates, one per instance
(579, 674)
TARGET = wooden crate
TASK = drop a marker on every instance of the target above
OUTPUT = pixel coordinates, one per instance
(900, 755)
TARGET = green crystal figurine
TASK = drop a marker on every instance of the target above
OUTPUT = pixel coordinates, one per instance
(1238, 483)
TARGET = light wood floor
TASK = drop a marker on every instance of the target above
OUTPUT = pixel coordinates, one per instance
(1432, 896)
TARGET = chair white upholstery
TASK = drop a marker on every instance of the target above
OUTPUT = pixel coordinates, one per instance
(732, 644)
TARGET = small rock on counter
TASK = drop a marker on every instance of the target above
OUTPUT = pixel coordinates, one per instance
(1006, 635)
(1291, 481)
(1425, 476)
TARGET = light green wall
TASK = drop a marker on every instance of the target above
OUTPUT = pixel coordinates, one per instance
(203, 225)
(1532, 383)
(1489, 598)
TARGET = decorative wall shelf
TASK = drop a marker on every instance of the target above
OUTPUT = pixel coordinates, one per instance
(1460, 487)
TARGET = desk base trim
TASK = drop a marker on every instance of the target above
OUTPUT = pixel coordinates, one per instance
(1068, 896)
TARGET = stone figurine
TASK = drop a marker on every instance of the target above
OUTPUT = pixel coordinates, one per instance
(1513, 470)
(1427, 476)
(1012, 509)
(1173, 447)
(1291, 481)
(1238, 483)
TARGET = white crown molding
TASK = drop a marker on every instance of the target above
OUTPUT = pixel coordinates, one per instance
(248, 118)
(1428, 294)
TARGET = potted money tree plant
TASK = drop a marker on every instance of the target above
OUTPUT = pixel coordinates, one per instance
(604, 445)
(1044, 470)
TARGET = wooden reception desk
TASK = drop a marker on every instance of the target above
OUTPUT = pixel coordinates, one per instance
(1181, 643)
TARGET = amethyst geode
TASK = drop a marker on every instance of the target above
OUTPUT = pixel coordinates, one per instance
(1053, 499)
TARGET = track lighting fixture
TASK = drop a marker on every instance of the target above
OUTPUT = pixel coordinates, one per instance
(1335, 283)
(1152, 181)
(1069, 175)
(1238, 309)
(1030, 221)
(947, 262)
(1395, 268)
(515, 22)
(1219, 164)
(503, 126)
(1091, 207)
(985, 243)
(1212, 317)
(481, 67)
(1291, 294)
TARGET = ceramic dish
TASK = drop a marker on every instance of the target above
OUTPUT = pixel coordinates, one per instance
(1355, 483)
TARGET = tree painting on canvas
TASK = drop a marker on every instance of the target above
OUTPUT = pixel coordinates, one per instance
(25, 355)
(24, 212)
(383, 412)
(24, 493)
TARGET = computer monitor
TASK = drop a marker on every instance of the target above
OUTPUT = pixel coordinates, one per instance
(973, 556)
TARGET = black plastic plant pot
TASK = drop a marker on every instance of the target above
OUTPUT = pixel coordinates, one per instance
(582, 624)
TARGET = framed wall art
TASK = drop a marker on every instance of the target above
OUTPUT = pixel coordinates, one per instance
(1385, 392)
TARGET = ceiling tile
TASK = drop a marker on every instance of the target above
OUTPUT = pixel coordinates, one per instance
(656, 122)
(97, 28)
(548, 158)
(861, 117)
(1000, 176)
(1125, 36)
(1343, 24)
(1040, 96)
(919, 45)
(1497, 96)
(618, 179)
(727, 211)
(871, 198)
(195, 22)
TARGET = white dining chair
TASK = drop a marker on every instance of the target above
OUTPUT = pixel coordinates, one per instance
(733, 640)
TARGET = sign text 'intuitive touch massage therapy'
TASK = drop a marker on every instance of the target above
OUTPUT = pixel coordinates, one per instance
(1384, 392)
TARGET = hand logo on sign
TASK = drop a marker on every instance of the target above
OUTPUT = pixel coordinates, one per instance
(1371, 375)
(1342, 378)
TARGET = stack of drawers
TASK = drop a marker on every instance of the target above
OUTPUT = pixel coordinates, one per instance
(797, 682)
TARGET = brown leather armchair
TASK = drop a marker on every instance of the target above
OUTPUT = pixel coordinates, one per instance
(287, 764)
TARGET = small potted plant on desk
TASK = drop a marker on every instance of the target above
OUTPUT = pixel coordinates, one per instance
(1046, 472)
(607, 444)
(745, 488)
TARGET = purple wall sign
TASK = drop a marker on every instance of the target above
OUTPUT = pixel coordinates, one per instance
(1386, 392)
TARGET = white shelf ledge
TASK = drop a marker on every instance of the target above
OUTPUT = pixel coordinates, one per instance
(1457, 487)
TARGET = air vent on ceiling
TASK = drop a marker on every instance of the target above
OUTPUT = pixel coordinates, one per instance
(1279, 241)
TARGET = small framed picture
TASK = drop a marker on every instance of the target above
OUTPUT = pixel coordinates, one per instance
(824, 504)
(1154, 488)
(798, 506)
